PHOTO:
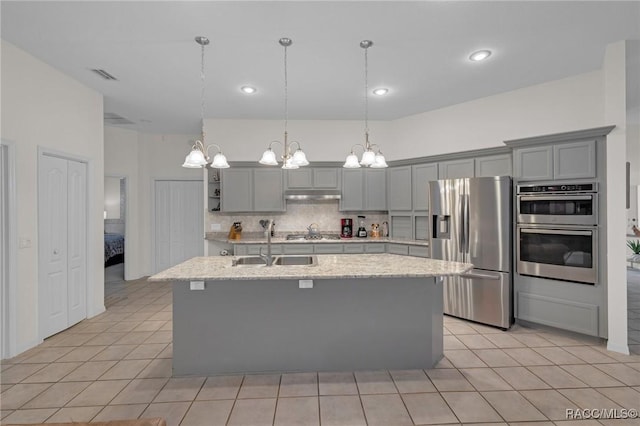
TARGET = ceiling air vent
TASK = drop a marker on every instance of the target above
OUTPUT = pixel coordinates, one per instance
(113, 118)
(104, 74)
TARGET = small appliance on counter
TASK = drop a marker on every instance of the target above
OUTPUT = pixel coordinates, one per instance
(346, 226)
(362, 231)
(235, 233)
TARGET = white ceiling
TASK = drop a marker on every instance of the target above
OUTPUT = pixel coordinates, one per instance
(420, 53)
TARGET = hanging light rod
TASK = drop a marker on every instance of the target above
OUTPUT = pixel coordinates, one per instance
(289, 160)
(199, 155)
(371, 155)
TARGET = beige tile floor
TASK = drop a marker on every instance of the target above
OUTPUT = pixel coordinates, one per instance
(118, 365)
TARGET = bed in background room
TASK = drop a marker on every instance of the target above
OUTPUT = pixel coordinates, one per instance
(113, 249)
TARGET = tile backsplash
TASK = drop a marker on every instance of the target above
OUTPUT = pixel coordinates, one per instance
(298, 216)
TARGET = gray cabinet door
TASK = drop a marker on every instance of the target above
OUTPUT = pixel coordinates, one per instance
(456, 169)
(352, 190)
(237, 190)
(300, 178)
(422, 175)
(399, 188)
(268, 191)
(326, 178)
(375, 190)
(534, 163)
(493, 165)
(574, 160)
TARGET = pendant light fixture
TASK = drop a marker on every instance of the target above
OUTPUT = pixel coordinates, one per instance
(290, 160)
(371, 156)
(199, 155)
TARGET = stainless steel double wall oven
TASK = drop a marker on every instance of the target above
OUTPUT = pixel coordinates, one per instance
(557, 231)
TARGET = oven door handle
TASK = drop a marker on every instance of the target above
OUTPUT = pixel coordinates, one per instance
(555, 231)
(556, 198)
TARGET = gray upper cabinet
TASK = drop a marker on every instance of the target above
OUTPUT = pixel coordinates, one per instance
(375, 189)
(422, 175)
(268, 190)
(456, 169)
(560, 161)
(364, 190)
(300, 178)
(352, 190)
(534, 163)
(493, 165)
(313, 177)
(399, 188)
(326, 177)
(574, 160)
(252, 190)
(237, 190)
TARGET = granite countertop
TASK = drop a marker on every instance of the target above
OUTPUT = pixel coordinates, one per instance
(259, 238)
(329, 267)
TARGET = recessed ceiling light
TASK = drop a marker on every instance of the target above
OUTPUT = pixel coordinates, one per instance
(381, 91)
(248, 90)
(480, 55)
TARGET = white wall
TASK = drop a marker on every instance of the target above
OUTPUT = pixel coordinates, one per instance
(42, 107)
(568, 104)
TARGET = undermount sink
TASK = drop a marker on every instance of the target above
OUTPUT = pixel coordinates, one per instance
(295, 260)
(277, 261)
(249, 261)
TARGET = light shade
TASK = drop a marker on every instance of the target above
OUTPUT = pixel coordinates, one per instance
(195, 159)
(299, 158)
(289, 164)
(380, 162)
(351, 162)
(219, 161)
(368, 158)
(269, 158)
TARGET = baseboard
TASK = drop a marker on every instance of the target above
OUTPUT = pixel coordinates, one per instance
(25, 347)
(97, 312)
(620, 348)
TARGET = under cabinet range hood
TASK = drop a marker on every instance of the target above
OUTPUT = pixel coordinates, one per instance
(312, 194)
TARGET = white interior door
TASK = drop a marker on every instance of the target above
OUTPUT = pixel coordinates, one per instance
(52, 245)
(77, 241)
(179, 222)
(62, 260)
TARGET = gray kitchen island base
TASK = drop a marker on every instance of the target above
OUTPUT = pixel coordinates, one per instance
(255, 326)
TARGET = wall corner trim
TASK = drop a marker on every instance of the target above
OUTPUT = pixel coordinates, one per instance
(616, 347)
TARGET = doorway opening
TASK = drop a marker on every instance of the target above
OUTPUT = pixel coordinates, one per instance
(115, 225)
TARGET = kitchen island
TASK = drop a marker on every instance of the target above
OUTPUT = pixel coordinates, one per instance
(375, 311)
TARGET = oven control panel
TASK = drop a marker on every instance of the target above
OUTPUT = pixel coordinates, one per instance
(577, 187)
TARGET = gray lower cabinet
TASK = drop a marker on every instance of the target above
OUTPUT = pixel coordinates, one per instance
(364, 190)
(574, 160)
(422, 174)
(462, 168)
(254, 249)
(493, 165)
(399, 191)
(375, 248)
(419, 251)
(398, 249)
(328, 248)
(252, 190)
(297, 248)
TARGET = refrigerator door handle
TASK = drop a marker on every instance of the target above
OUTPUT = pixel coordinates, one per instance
(481, 276)
(465, 207)
(461, 235)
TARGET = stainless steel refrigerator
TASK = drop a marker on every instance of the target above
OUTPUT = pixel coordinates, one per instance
(470, 221)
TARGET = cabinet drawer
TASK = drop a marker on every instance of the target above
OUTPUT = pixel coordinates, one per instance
(328, 248)
(298, 249)
(254, 250)
(375, 248)
(354, 248)
(398, 249)
(419, 251)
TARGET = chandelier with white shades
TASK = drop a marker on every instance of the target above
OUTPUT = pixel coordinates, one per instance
(371, 156)
(290, 159)
(199, 155)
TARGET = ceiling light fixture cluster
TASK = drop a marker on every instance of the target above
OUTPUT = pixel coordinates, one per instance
(290, 160)
(199, 155)
(371, 156)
